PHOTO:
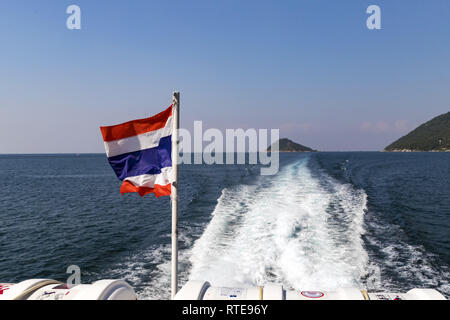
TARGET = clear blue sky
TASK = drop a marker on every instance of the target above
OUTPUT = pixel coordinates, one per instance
(310, 68)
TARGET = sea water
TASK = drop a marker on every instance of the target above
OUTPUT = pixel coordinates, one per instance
(370, 220)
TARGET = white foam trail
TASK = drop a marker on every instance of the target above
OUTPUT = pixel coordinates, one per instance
(293, 228)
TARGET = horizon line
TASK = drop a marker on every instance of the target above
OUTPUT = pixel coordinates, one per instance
(102, 153)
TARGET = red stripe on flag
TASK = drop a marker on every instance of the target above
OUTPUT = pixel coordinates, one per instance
(135, 127)
(158, 190)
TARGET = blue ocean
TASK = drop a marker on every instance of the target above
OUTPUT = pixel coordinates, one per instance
(373, 220)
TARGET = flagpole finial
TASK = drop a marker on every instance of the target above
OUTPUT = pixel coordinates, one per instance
(176, 96)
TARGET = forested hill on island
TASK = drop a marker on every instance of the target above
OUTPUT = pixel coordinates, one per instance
(433, 135)
(286, 145)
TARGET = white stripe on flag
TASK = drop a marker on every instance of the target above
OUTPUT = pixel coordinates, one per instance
(139, 142)
(149, 180)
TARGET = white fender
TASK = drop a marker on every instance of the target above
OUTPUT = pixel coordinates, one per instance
(104, 290)
(192, 290)
(424, 294)
(22, 290)
(45, 289)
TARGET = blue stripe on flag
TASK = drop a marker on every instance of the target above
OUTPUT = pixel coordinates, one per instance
(148, 161)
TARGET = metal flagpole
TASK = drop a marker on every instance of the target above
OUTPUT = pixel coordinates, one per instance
(174, 191)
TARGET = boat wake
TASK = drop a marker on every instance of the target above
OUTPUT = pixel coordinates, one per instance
(298, 228)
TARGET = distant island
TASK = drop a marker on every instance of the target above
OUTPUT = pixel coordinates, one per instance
(433, 135)
(286, 145)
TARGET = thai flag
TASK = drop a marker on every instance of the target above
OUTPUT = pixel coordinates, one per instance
(140, 153)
